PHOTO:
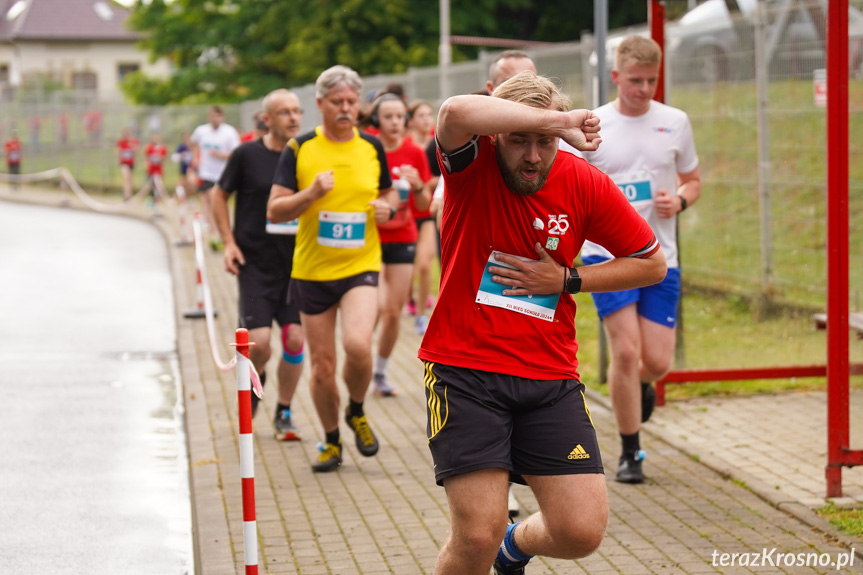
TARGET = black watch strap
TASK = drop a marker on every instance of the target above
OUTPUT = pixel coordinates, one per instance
(573, 284)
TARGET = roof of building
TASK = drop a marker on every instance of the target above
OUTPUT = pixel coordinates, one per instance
(64, 20)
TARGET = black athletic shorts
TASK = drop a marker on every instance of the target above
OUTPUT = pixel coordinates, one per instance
(313, 298)
(264, 298)
(482, 420)
(205, 186)
(398, 253)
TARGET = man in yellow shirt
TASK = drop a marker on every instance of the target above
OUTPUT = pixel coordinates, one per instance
(335, 180)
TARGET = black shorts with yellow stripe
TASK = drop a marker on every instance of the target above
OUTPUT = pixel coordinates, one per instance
(482, 420)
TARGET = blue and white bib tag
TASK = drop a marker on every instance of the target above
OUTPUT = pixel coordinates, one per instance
(342, 229)
(490, 293)
(636, 187)
(283, 228)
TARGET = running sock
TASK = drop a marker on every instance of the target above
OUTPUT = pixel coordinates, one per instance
(381, 364)
(508, 552)
(281, 407)
(631, 444)
(332, 437)
(356, 409)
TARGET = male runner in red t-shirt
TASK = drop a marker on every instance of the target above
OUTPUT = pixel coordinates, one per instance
(155, 153)
(127, 149)
(501, 375)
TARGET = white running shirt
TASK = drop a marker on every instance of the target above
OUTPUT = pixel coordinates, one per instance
(643, 154)
(223, 139)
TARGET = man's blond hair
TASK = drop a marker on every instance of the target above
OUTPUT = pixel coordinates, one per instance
(638, 49)
(533, 90)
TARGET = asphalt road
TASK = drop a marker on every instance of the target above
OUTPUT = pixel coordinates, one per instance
(93, 467)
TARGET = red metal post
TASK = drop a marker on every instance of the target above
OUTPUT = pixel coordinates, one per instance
(656, 18)
(837, 244)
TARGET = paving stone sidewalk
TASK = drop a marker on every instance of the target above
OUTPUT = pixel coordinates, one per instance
(385, 514)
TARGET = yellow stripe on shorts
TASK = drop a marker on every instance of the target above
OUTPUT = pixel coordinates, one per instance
(436, 415)
(587, 409)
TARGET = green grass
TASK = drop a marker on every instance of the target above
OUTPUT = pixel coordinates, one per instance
(720, 236)
(720, 332)
(848, 521)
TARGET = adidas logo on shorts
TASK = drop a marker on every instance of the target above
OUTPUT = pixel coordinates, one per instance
(578, 453)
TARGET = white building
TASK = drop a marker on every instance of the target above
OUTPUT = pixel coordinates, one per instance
(80, 44)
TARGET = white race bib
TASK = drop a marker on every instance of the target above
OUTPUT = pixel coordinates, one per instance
(283, 228)
(342, 229)
(635, 186)
(490, 293)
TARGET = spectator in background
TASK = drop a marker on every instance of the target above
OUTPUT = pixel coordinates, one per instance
(35, 132)
(63, 128)
(213, 143)
(12, 149)
(396, 88)
(127, 149)
(93, 126)
(258, 130)
(650, 152)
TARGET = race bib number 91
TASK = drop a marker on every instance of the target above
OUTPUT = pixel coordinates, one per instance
(342, 229)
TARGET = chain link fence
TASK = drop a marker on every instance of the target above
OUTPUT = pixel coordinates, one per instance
(712, 75)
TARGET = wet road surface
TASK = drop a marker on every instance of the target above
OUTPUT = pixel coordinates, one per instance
(93, 467)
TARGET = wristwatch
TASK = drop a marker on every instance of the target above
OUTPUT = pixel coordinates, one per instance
(573, 284)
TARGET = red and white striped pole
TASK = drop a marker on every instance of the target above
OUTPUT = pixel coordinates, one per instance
(185, 240)
(200, 309)
(247, 458)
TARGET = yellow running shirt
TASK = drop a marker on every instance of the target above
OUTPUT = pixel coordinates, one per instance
(337, 236)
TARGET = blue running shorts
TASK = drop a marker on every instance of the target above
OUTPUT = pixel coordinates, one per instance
(658, 302)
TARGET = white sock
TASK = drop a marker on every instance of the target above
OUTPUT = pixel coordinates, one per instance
(381, 364)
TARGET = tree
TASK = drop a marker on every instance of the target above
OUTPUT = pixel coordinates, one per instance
(230, 50)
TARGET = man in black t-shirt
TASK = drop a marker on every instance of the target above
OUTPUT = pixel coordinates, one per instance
(261, 254)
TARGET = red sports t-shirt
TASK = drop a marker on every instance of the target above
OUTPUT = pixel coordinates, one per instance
(402, 228)
(155, 158)
(127, 147)
(481, 215)
(13, 152)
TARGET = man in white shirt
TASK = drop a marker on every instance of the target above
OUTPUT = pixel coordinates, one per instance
(649, 151)
(212, 144)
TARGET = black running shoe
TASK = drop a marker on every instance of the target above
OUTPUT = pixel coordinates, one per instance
(516, 568)
(367, 443)
(648, 400)
(629, 468)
